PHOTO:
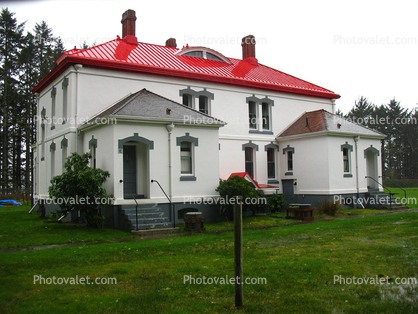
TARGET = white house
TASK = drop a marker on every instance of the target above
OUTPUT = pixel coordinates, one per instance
(187, 117)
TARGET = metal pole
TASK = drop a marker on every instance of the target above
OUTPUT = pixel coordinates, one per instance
(239, 292)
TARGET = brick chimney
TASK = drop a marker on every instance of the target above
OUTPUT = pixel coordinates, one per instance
(128, 25)
(171, 42)
(248, 49)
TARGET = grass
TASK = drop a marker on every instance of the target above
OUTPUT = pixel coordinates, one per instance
(411, 196)
(298, 261)
(18, 228)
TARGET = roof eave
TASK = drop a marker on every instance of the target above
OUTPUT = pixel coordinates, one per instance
(329, 133)
(68, 60)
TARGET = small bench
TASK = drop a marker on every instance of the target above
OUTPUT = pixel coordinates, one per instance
(300, 212)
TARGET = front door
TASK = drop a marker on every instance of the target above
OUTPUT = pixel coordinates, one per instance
(129, 171)
(371, 162)
(288, 191)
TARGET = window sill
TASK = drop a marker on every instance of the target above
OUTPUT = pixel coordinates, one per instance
(260, 132)
(348, 175)
(288, 174)
(187, 178)
(273, 181)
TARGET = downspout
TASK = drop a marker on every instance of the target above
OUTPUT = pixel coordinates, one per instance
(77, 67)
(170, 128)
(35, 184)
(356, 139)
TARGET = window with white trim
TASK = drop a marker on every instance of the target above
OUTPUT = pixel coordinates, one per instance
(186, 156)
(204, 104)
(252, 114)
(259, 114)
(249, 160)
(271, 163)
(53, 99)
(346, 149)
(188, 100)
(265, 109)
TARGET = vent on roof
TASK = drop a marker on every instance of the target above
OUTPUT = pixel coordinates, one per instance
(168, 111)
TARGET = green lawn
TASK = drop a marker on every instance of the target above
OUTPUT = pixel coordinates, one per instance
(299, 263)
(18, 228)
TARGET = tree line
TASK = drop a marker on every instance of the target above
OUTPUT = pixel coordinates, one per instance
(400, 125)
(25, 58)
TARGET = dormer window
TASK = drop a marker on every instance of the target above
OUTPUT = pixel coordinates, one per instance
(203, 52)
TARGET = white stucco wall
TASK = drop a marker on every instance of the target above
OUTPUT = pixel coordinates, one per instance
(92, 90)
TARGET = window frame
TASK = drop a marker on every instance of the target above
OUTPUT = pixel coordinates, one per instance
(262, 126)
(268, 105)
(289, 160)
(189, 158)
(271, 163)
(251, 162)
(252, 116)
(346, 160)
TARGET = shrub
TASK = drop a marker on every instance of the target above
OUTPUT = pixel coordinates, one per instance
(80, 181)
(277, 203)
(237, 186)
(328, 207)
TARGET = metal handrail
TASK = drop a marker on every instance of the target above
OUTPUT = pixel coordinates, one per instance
(136, 210)
(404, 191)
(171, 204)
(390, 192)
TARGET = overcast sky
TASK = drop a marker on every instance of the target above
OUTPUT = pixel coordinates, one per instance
(354, 48)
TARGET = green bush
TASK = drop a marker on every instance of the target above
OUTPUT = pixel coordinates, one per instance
(237, 186)
(328, 207)
(277, 203)
(80, 181)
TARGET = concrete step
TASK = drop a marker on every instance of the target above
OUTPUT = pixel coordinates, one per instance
(148, 226)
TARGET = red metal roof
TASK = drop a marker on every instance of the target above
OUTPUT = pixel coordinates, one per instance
(121, 54)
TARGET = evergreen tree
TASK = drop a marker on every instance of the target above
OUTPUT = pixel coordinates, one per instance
(11, 41)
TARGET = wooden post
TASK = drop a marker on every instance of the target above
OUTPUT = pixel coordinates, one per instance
(239, 292)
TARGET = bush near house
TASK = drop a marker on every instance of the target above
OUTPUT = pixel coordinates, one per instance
(277, 203)
(237, 186)
(328, 207)
(79, 188)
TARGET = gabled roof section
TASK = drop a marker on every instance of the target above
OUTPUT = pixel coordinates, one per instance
(150, 106)
(120, 54)
(324, 121)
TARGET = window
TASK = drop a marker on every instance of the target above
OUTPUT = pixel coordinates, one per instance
(347, 149)
(186, 157)
(52, 150)
(52, 163)
(346, 160)
(43, 117)
(64, 145)
(64, 99)
(212, 56)
(64, 157)
(266, 115)
(188, 100)
(289, 160)
(259, 114)
(198, 54)
(53, 98)
(93, 147)
(271, 165)
(252, 114)
(249, 160)
(204, 104)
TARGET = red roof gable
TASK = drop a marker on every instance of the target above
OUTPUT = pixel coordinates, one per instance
(145, 58)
